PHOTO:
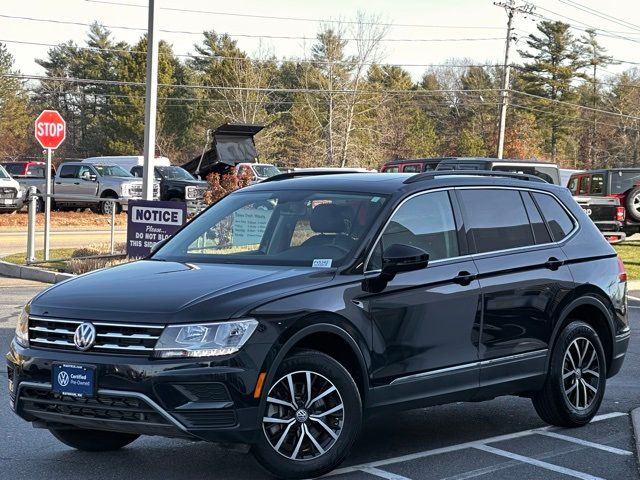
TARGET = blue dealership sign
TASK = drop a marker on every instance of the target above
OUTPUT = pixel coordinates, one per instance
(151, 222)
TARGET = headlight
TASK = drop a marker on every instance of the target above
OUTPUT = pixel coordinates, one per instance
(22, 328)
(125, 189)
(204, 339)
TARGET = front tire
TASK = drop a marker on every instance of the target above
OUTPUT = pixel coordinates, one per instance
(93, 440)
(107, 206)
(576, 380)
(311, 418)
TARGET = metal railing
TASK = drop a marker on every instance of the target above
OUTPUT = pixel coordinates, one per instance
(32, 206)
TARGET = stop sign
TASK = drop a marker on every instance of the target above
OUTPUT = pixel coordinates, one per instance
(50, 129)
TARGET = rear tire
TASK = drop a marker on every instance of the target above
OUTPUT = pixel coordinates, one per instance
(93, 440)
(315, 435)
(632, 204)
(576, 380)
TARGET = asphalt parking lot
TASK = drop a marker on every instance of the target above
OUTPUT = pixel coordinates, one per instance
(498, 439)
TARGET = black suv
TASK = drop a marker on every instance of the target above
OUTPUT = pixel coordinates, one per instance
(178, 185)
(289, 311)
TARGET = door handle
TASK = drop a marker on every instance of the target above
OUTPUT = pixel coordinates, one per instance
(553, 263)
(58, 183)
(76, 183)
(464, 278)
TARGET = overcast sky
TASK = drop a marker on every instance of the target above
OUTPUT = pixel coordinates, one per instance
(459, 19)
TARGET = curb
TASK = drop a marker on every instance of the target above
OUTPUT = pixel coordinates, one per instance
(635, 421)
(32, 273)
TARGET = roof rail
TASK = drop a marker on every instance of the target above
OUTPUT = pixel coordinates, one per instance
(287, 176)
(481, 173)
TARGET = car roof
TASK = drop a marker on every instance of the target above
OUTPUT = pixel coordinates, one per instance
(391, 183)
(604, 170)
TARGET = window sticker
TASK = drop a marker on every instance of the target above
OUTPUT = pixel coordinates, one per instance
(322, 263)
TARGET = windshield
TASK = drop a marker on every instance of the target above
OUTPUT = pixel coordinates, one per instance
(266, 170)
(174, 173)
(293, 228)
(112, 171)
(3, 172)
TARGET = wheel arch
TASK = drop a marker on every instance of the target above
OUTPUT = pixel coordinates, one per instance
(593, 311)
(109, 193)
(327, 338)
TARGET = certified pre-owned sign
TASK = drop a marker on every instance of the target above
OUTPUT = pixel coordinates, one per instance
(151, 222)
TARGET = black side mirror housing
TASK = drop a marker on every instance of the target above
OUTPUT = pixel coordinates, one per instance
(403, 258)
(396, 259)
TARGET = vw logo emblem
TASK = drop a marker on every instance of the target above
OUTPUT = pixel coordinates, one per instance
(302, 415)
(63, 379)
(85, 336)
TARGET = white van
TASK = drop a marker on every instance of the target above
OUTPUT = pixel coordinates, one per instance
(129, 161)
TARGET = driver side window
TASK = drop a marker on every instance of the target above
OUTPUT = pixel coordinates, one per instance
(426, 222)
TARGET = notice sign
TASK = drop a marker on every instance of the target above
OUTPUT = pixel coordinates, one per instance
(151, 222)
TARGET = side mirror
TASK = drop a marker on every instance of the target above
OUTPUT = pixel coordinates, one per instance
(93, 177)
(396, 259)
(403, 258)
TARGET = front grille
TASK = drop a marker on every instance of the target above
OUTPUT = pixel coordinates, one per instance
(135, 190)
(55, 406)
(8, 192)
(113, 338)
(207, 418)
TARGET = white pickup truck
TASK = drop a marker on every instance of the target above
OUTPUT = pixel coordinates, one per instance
(10, 193)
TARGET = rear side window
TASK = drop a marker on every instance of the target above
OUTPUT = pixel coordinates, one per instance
(621, 181)
(540, 232)
(392, 169)
(14, 168)
(413, 168)
(497, 219)
(557, 218)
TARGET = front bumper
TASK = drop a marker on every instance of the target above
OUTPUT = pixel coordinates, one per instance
(211, 401)
(10, 204)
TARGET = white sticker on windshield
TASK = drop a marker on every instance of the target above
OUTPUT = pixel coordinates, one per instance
(322, 263)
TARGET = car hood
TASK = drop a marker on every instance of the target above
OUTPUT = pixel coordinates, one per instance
(186, 183)
(151, 291)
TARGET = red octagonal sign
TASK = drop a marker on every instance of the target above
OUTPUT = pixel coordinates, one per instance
(50, 129)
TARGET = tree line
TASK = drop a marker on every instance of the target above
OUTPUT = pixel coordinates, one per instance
(339, 105)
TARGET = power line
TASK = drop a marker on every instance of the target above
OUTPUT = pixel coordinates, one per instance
(298, 19)
(421, 92)
(248, 35)
(600, 14)
(256, 60)
(576, 119)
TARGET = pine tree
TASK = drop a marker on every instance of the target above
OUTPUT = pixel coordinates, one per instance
(15, 115)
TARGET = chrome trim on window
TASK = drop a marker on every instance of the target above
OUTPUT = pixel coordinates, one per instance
(576, 224)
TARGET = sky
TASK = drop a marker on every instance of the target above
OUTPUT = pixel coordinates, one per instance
(478, 26)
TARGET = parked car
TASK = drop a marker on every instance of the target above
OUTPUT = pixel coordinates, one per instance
(549, 172)
(30, 174)
(127, 162)
(411, 166)
(607, 214)
(622, 184)
(10, 193)
(178, 185)
(289, 310)
(82, 184)
(565, 175)
(257, 171)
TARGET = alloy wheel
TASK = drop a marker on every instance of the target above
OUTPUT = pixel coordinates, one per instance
(304, 415)
(581, 373)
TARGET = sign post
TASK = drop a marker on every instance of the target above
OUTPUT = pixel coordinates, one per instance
(50, 131)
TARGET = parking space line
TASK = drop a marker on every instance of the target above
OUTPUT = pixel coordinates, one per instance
(457, 447)
(383, 473)
(537, 463)
(586, 443)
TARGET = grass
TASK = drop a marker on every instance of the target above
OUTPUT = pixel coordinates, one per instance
(54, 253)
(629, 252)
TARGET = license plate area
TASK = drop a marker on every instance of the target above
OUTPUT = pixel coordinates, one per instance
(74, 380)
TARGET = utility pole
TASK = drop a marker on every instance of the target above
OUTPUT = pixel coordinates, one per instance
(150, 107)
(511, 8)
